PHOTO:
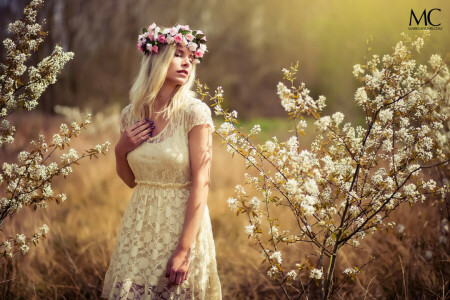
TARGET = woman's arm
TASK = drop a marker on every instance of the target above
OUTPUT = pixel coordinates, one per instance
(123, 168)
(200, 153)
(130, 139)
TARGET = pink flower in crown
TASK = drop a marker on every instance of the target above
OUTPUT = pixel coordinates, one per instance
(140, 46)
(150, 37)
(199, 53)
(178, 38)
(189, 37)
(173, 31)
(185, 27)
(204, 38)
(162, 39)
(199, 32)
(155, 49)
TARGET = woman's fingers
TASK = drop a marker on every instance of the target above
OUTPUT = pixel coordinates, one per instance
(144, 135)
(138, 124)
(168, 268)
(178, 278)
(141, 128)
(172, 276)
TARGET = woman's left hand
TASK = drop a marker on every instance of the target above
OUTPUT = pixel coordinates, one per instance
(178, 266)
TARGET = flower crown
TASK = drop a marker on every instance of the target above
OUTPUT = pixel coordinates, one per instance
(152, 38)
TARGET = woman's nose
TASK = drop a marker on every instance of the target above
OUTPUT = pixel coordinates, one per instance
(186, 61)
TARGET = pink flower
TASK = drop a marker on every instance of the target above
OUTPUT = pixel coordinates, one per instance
(155, 49)
(162, 38)
(140, 47)
(185, 27)
(199, 32)
(204, 38)
(189, 37)
(199, 53)
(150, 37)
(178, 38)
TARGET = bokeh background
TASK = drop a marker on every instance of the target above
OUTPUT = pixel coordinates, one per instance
(249, 42)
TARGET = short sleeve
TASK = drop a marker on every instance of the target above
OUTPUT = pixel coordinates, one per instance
(124, 118)
(198, 114)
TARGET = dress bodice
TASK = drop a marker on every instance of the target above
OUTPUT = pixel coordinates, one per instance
(164, 158)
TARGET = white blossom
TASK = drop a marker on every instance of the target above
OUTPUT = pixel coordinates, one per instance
(254, 203)
(276, 256)
(232, 203)
(292, 274)
(316, 274)
(249, 229)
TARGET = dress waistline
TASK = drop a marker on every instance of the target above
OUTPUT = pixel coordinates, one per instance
(164, 185)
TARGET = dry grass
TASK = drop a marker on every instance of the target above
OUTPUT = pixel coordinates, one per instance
(72, 261)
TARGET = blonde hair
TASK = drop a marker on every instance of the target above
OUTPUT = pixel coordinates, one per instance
(150, 79)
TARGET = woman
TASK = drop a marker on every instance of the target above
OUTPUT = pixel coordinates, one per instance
(165, 248)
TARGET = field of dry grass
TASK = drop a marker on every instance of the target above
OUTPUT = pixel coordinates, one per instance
(72, 261)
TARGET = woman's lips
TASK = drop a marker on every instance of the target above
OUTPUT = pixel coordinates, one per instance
(183, 71)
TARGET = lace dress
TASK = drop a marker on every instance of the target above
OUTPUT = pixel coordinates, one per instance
(154, 217)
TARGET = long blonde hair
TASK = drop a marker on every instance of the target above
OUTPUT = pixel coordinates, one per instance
(149, 81)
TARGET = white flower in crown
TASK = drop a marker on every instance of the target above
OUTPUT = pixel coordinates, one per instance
(155, 33)
(151, 27)
(203, 47)
(173, 31)
(169, 39)
(184, 42)
(192, 46)
(166, 31)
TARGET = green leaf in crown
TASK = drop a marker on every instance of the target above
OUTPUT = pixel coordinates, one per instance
(183, 32)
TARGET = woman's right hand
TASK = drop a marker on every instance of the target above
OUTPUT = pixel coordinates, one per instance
(133, 136)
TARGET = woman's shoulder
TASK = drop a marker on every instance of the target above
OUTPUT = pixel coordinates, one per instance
(125, 110)
(195, 105)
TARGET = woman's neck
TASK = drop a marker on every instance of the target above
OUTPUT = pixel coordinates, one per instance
(164, 95)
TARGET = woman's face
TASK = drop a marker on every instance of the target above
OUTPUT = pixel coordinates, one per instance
(181, 66)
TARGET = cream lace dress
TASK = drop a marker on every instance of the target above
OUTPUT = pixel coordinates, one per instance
(154, 217)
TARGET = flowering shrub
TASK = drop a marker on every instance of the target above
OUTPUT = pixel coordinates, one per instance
(28, 182)
(352, 177)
